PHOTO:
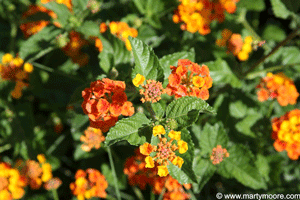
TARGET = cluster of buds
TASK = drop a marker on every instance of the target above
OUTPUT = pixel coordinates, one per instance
(104, 102)
(92, 138)
(218, 154)
(88, 184)
(286, 133)
(94, 6)
(151, 91)
(39, 173)
(123, 31)
(12, 183)
(74, 48)
(164, 151)
(189, 79)
(235, 44)
(14, 69)
(196, 15)
(277, 86)
(139, 175)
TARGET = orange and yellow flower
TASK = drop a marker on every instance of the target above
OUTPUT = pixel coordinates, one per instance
(189, 79)
(12, 69)
(88, 184)
(277, 86)
(197, 15)
(164, 150)
(12, 183)
(235, 44)
(123, 31)
(286, 133)
(92, 138)
(104, 102)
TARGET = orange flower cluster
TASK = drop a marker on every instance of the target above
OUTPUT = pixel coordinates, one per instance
(123, 31)
(11, 183)
(37, 173)
(14, 69)
(218, 154)
(286, 133)
(74, 47)
(196, 15)
(31, 28)
(92, 139)
(277, 86)
(138, 174)
(175, 191)
(189, 79)
(165, 150)
(235, 44)
(104, 102)
(88, 184)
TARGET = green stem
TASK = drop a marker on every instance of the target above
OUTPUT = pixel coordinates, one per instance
(55, 144)
(138, 193)
(152, 196)
(270, 69)
(149, 108)
(192, 195)
(270, 109)
(5, 148)
(41, 54)
(284, 42)
(48, 69)
(13, 35)
(161, 196)
(55, 195)
(111, 161)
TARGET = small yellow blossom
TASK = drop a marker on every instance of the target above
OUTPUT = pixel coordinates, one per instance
(146, 149)
(149, 162)
(138, 80)
(178, 161)
(176, 135)
(162, 171)
(159, 130)
(183, 146)
(7, 58)
(28, 67)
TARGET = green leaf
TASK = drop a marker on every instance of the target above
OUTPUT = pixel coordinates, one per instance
(39, 41)
(178, 174)
(172, 60)
(186, 110)
(158, 109)
(245, 125)
(105, 169)
(279, 9)
(263, 166)
(211, 136)
(89, 29)
(61, 10)
(146, 62)
(204, 170)
(79, 5)
(222, 74)
(237, 109)
(131, 129)
(256, 5)
(240, 165)
(114, 53)
(273, 32)
(188, 156)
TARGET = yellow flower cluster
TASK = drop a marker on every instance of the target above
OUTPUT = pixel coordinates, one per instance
(165, 150)
(235, 44)
(123, 31)
(11, 183)
(196, 15)
(14, 69)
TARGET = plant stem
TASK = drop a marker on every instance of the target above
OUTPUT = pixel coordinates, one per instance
(41, 54)
(55, 144)
(55, 195)
(152, 196)
(149, 108)
(13, 35)
(48, 69)
(111, 161)
(138, 193)
(161, 196)
(284, 42)
(270, 69)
